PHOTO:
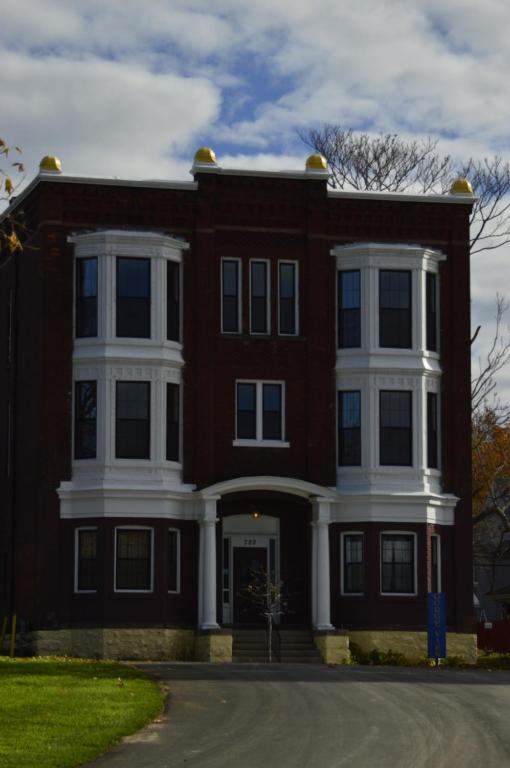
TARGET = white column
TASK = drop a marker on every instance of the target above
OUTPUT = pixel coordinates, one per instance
(314, 573)
(207, 566)
(322, 517)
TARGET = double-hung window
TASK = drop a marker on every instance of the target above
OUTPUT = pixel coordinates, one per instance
(349, 309)
(259, 297)
(86, 297)
(172, 422)
(353, 564)
(260, 412)
(395, 327)
(287, 298)
(431, 311)
(396, 433)
(398, 563)
(133, 298)
(432, 431)
(173, 301)
(86, 560)
(132, 420)
(231, 296)
(85, 419)
(349, 429)
(133, 559)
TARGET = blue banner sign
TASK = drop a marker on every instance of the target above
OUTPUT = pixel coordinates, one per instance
(436, 625)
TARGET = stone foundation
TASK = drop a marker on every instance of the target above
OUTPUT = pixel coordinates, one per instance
(333, 645)
(213, 645)
(413, 645)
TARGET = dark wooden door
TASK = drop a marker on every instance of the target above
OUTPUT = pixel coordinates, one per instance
(248, 562)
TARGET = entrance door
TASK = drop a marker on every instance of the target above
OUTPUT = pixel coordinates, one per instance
(248, 562)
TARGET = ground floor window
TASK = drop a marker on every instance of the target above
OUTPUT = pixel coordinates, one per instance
(133, 559)
(174, 560)
(86, 560)
(398, 559)
(353, 564)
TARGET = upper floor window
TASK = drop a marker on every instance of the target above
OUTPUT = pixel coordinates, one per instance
(349, 429)
(231, 296)
(353, 564)
(86, 576)
(133, 298)
(133, 559)
(132, 420)
(395, 327)
(86, 297)
(259, 411)
(287, 298)
(431, 305)
(432, 431)
(395, 414)
(85, 419)
(349, 309)
(259, 297)
(173, 301)
(398, 556)
(172, 422)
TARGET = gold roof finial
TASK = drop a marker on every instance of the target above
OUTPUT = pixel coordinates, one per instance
(50, 164)
(461, 187)
(316, 162)
(205, 155)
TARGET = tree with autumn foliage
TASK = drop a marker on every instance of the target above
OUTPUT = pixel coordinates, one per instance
(11, 176)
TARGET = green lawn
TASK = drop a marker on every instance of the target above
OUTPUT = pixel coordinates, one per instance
(58, 713)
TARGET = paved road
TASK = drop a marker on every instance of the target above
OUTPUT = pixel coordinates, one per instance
(307, 716)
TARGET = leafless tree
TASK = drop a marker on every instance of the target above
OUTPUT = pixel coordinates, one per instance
(389, 163)
(483, 384)
(268, 597)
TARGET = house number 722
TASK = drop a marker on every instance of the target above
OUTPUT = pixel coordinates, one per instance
(250, 542)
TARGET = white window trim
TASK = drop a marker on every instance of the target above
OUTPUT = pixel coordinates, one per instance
(433, 352)
(415, 574)
(152, 411)
(414, 299)
(133, 528)
(178, 590)
(342, 563)
(259, 441)
(296, 296)
(167, 341)
(76, 557)
(363, 317)
(268, 297)
(171, 462)
(85, 339)
(152, 305)
(347, 467)
(414, 420)
(239, 297)
(439, 570)
(84, 462)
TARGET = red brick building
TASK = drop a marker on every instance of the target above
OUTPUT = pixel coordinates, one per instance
(248, 370)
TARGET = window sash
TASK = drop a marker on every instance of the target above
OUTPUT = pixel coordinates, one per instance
(259, 411)
(349, 428)
(86, 298)
(173, 301)
(349, 309)
(230, 307)
(398, 564)
(132, 422)
(172, 422)
(353, 563)
(85, 420)
(133, 314)
(431, 308)
(395, 318)
(287, 290)
(133, 562)
(259, 297)
(395, 428)
(432, 431)
(86, 557)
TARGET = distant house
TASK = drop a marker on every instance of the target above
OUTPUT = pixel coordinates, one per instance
(245, 371)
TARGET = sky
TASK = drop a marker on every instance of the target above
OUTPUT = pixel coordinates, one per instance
(130, 89)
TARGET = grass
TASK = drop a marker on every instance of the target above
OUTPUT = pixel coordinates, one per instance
(59, 713)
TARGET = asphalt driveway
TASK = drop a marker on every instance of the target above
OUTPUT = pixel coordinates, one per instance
(312, 716)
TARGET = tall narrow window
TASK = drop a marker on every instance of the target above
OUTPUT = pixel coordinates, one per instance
(349, 309)
(172, 422)
(259, 297)
(397, 563)
(86, 560)
(432, 431)
(133, 298)
(395, 309)
(432, 311)
(173, 301)
(246, 411)
(396, 428)
(435, 565)
(133, 560)
(230, 296)
(86, 297)
(349, 429)
(287, 289)
(226, 571)
(174, 560)
(132, 423)
(271, 412)
(85, 419)
(353, 573)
